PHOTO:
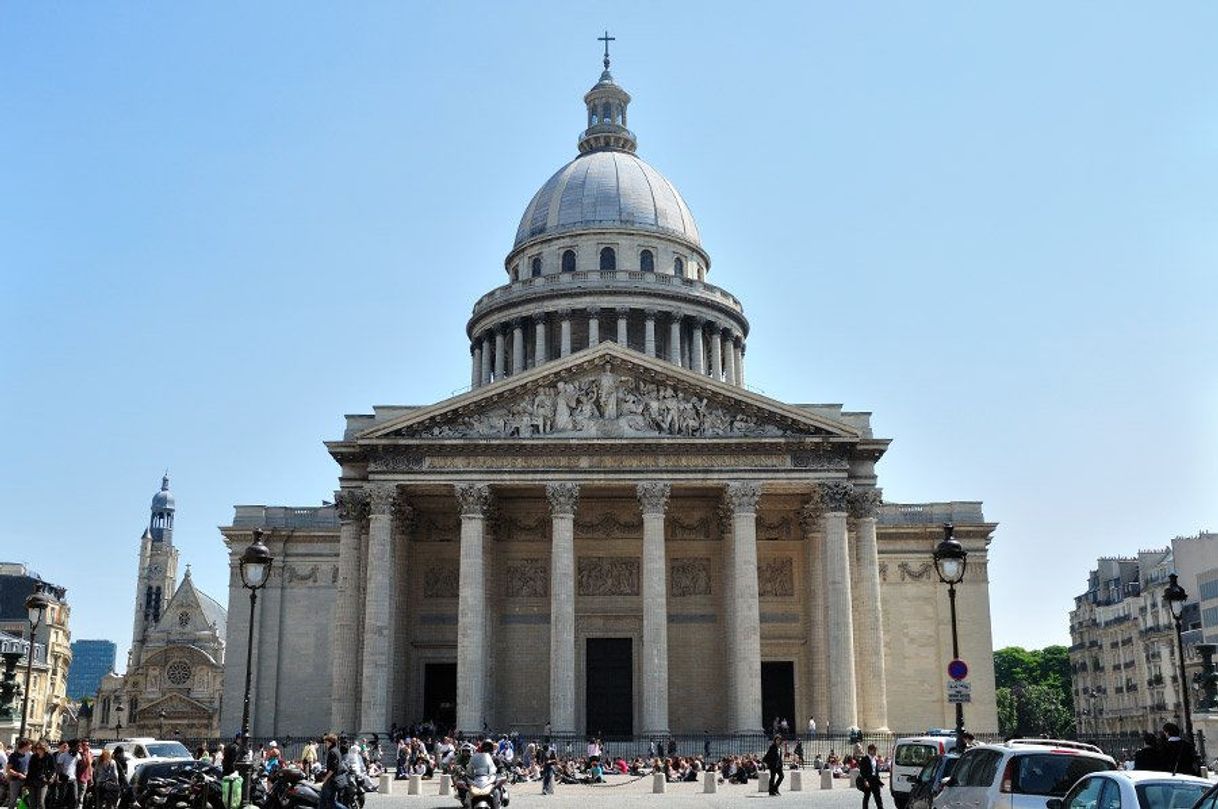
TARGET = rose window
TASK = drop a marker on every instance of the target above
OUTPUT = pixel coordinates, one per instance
(178, 672)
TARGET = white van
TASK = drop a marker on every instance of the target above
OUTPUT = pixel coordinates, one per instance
(909, 756)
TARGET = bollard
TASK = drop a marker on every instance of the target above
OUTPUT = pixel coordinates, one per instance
(763, 781)
(415, 786)
(446, 784)
(795, 781)
(826, 778)
(709, 782)
(386, 785)
(658, 785)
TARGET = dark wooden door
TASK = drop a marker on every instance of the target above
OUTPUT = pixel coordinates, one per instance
(610, 687)
(440, 693)
(777, 693)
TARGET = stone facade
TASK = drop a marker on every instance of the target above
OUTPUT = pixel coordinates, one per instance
(608, 532)
(50, 708)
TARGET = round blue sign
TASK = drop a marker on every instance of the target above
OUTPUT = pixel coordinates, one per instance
(957, 669)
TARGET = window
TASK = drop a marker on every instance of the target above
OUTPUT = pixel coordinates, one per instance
(515, 272)
(608, 259)
(984, 768)
(914, 755)
(678, 266)
(536, 266)
(1171, 795)
(1086, 795)
(568, 261)
(1053, 773)
(647, 261)
(606, 113)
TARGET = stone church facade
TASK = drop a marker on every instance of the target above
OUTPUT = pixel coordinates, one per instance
(608, 533)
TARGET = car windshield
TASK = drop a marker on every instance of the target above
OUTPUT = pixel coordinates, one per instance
(168, 750)
(1169, 794)
(1054, 773)
(914, 755)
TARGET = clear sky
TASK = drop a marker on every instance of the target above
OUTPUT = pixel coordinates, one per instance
(224, 226)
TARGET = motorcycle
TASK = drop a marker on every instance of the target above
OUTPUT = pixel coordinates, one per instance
(290, 790)
(481, 786)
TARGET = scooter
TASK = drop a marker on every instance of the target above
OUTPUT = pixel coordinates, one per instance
(481, 786)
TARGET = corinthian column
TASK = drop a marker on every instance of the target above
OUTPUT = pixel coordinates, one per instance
(842, 707)
(539, 339)
(352, 507)
(653, 497)
(746, 610)
(869, 615)
(729, 361)
(563, 498)
(517, 346)
(716, 352)
(472, 651)
(811, 518)
(378, 581)
(697, 356)
(674, 338)
(649, 332)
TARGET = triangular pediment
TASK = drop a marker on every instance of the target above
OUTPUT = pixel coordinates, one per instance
(174, 705)
(609, 392)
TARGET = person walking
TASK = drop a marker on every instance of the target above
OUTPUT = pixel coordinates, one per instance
(16, 770)
(40, 776)
(335, 779)
(106, 781)
(869, 776)
(547, 772)
(811, 728)
(65, 776)
(1179, 757)
(773, 763)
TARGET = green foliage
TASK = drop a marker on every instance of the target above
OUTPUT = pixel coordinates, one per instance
(1034, 691)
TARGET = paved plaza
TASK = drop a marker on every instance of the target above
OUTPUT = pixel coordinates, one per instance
(623, 792)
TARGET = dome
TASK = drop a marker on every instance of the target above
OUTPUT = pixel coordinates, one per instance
(607, 189)
(163, 500)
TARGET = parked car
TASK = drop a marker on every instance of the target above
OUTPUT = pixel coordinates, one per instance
(928, 782)
(1019, 774)
(909, 755)
(1135, 789)
(145, 750)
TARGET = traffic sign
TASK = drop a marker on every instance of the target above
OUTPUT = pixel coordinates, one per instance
(959, 691)
(957, 670)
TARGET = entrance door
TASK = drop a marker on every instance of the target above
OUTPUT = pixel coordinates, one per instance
(777, 693)
(440, 693)
(610, 687)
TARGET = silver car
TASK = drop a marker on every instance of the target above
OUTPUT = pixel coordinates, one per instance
(1133, 789)
(1020, 774)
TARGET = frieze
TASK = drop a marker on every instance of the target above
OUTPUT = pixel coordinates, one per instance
(607, 576)
(704, 528)
(782, 528)
(293, 574)
(910, 573)
(528, 578)
(691, 460)
(883, 571)
(776, 578)
(690, 577)
(397, 460)
(441, 580)
(514, 528)
(603, 404)
(822, 458)
(433, 528)
(609, 526)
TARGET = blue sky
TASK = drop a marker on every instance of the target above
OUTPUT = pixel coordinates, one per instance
(225, 226)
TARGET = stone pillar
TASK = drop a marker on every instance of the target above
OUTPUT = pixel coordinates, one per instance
(378, 585)
(811, 519)
(674, 338)
(623, 332)
(738, 360)
(649, 332)
(745, 713)
(486, 359)
(869, 615)
(517, 346)
(729, 361)
(539, 339)
(472, 651)
(563, 498)
(500, 354)
(475, 354)
(697, 359)
(352, 507)
(843, 712)
(653, 497)
(716, 352)
(594, 326)
(564, 333)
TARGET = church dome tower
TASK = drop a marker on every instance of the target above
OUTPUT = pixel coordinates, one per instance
(158, 570)
(607, 249)
(160, 525)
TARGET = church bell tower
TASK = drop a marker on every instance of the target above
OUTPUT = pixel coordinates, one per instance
(157, 572)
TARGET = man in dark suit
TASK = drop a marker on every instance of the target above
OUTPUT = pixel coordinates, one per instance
(773, 763)
(1178, 755)
(869, 772)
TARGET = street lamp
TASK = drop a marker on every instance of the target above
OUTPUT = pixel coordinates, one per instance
(255, 570)
(36, 605)
(950, 561)
(1175, 596)
(118, 712)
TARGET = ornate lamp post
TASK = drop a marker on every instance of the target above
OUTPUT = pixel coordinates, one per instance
(36, 605)
(255, 570)
(950, 561)
(1175, 596)
(118, 712)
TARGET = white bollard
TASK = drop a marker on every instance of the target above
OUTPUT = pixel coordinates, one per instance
(386, 785)
(446, 784)
(763, 781)
(415, 786)
(795, 779)
(826, 778)
(709, 783)
(658, 785)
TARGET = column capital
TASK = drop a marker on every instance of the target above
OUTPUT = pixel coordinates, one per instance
(835, 495)
(810, 513)
(381, 497)
(698, 321)
(742, 497)
(622, 311)
(594, 311)
(565, 314)
(676, 314)
(351, 504)
(500, 328)
(540, 317)
(865, 502)
(650, 314)
(474, 498)
(653, 496)
(563, 497)
(518, 323)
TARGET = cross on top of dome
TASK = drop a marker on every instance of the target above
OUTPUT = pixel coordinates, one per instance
(607, 103)
(606, 39)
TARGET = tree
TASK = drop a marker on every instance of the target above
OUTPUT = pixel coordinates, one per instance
(1034, 691)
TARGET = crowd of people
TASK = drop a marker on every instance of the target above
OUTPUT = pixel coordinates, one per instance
(1165, 751)
(69, 775)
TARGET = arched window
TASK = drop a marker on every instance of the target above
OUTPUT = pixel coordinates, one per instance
(608, 259)
(647, 261)
(536, 266)
(606, 113)
(678, 266)
(515, 272)
(568, 261)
